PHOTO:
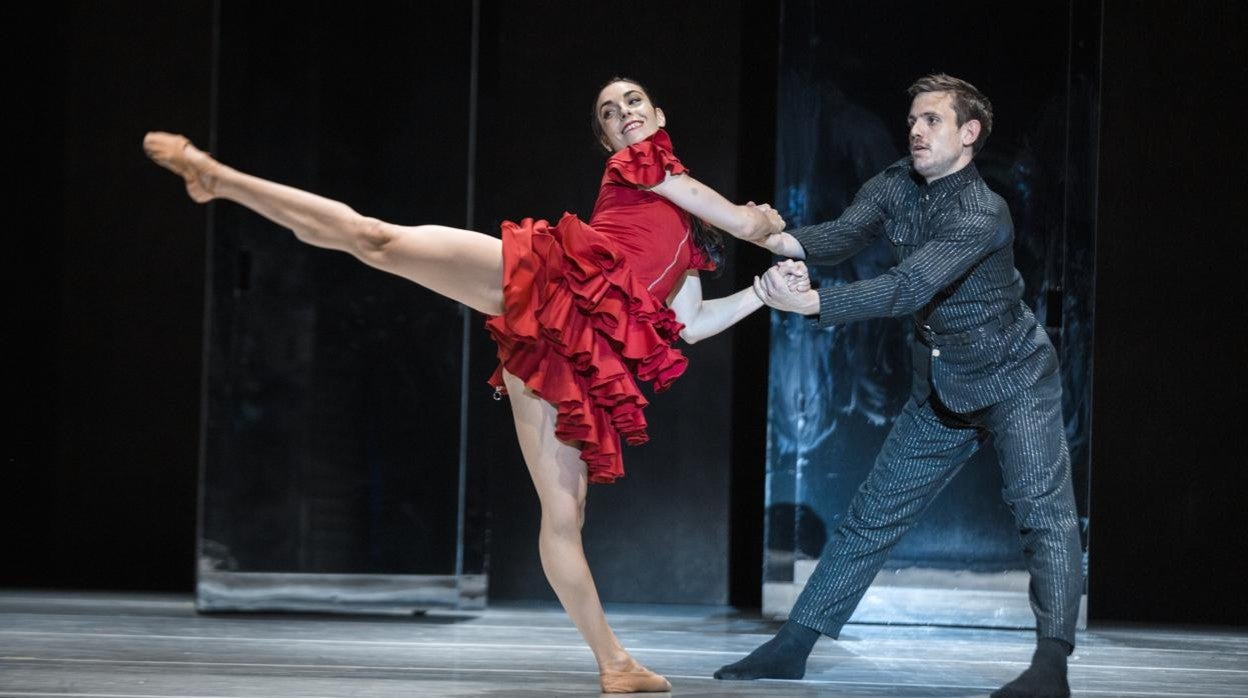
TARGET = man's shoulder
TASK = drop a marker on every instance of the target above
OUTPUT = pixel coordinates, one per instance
(897, 170)
(889, 181)
(977, 197)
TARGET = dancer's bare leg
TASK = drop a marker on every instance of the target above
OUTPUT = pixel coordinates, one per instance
(560, 479)
(466, 267)
(460, 264)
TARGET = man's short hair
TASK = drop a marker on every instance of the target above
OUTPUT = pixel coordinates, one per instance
(968, 102)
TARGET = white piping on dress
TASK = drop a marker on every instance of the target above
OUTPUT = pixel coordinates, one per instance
(669, 267)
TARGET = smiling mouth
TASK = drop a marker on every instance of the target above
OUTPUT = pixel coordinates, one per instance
(630, 126)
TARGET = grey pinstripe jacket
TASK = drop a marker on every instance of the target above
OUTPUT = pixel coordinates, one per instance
(975, 343)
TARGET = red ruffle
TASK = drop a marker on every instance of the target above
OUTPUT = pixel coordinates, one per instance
(576, 328)
(645, 164)
(698, 259)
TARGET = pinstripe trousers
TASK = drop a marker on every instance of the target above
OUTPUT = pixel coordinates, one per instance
(925, 449)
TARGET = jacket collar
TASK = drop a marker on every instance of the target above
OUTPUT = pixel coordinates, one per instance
(950, 182)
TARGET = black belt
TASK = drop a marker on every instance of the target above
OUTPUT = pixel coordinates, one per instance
(994, 325)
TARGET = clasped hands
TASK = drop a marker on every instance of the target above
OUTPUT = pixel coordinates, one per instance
(786, 286)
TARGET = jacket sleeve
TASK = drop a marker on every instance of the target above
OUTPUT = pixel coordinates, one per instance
(835, 241)
(961, 241)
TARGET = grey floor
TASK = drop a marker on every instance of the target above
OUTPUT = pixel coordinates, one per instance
(124, 645)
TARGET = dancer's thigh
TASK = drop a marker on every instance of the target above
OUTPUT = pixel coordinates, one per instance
(463, 265)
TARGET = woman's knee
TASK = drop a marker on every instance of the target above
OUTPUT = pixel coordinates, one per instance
(371, 238)
(564, 521)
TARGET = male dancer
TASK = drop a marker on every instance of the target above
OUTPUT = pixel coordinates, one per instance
(982, 365)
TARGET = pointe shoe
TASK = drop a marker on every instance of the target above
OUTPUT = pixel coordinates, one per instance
(175, 152)
(634, 679)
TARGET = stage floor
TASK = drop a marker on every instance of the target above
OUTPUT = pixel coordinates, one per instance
(124, 645)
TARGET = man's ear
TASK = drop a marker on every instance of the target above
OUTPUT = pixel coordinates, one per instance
(662, 118)
(970, 132)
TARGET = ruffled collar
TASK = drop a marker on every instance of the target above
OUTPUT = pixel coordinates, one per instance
(659, 138)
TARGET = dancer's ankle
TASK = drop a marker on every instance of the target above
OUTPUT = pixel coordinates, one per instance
(618, 660)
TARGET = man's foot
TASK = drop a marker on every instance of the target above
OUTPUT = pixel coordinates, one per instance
(1045, 678)
(781, 657)
(632, 678)
(176, 153)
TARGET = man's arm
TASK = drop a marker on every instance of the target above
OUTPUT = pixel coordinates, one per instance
(837, 240)
(906, 287)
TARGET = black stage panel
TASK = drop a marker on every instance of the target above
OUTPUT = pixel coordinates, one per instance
(1171, 376)
(332, 441)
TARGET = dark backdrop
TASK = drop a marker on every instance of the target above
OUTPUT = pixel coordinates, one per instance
(104, 472)
(333, 391)
(104, 280)
(103, 306)
(1169, 481)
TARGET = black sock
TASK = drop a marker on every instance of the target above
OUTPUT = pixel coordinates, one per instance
(781, 657)
(1046, 677)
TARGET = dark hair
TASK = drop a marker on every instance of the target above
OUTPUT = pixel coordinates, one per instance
(708, 238)
(968, 102)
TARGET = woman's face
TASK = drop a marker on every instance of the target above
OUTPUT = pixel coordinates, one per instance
(626, 115)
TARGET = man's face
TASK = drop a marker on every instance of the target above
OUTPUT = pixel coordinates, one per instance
(937, 144)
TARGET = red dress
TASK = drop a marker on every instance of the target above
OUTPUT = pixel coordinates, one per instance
(584, 305)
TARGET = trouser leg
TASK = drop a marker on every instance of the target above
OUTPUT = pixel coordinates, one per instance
(922, 453)
(1030, 439)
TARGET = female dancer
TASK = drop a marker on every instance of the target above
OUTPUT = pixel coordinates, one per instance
(576, 309)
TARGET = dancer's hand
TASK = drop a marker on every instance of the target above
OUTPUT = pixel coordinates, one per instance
(773, 289)
(775, 241)
(768, 224)
(774, 224)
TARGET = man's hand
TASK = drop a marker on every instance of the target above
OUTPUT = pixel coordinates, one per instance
(796, 277)
(786, 286)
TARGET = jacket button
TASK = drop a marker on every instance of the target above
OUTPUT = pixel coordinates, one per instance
(935, 353)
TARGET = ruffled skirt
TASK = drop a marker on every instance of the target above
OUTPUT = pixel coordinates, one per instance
(577, 328)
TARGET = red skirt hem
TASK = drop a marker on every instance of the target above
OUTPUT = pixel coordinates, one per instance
(579, 330)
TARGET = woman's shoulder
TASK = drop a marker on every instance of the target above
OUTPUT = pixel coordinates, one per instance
(645, 163)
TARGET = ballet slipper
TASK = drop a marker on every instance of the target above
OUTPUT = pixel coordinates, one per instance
(175, 153)
(635, 678)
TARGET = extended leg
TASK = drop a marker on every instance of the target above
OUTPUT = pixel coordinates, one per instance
(922, 453)
(560, 478)
(460, 264)
(1030, 439)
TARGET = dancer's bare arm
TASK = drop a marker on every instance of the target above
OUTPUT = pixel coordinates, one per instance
(706, 318)
(784, 245)
(747, 221)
